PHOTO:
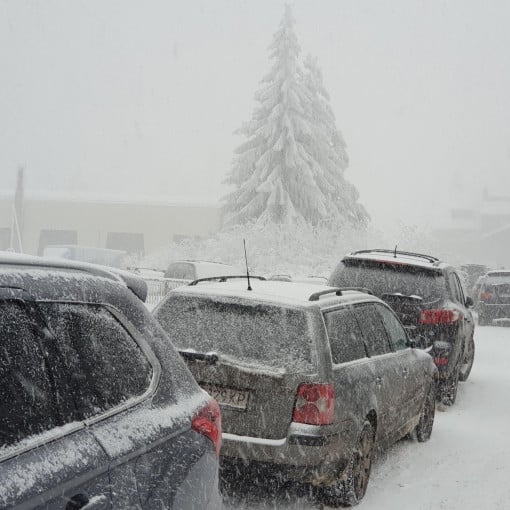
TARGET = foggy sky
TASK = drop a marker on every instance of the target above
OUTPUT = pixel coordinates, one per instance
(132, 97)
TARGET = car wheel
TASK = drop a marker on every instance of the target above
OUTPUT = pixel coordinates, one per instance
(448, 389)
(424, 428)
(350, 489)
(467, 360)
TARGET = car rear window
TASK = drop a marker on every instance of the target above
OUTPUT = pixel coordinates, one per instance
(390, 279)
(27, 395)
(106, 365)
(251, 333)
(497, 278)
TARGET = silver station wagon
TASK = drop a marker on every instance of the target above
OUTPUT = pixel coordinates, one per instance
(309, 378)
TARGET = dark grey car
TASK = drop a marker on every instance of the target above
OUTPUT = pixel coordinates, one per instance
(428, 297)
(308, 377)
(97, 409)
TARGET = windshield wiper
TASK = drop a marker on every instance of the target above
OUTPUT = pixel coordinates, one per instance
(208, 357)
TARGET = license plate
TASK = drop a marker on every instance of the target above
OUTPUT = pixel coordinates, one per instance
(229, 397)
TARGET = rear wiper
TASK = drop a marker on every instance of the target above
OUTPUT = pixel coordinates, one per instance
(208, 357)
(398, 295)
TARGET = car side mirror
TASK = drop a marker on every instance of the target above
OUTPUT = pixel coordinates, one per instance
(469, 302)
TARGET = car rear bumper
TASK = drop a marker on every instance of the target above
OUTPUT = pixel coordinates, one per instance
(309, 453)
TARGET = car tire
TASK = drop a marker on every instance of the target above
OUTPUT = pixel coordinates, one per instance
(350, 489)
(423, 430)
(467, 360)
(448, 389)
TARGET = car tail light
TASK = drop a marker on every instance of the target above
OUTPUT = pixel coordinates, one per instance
(315, 404)
(440, 316)
(486, 296)
(207, 421)
(441, 362)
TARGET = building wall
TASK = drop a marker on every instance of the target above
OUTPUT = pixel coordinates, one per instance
(92, 221)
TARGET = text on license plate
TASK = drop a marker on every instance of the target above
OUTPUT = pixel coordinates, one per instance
(227, 396)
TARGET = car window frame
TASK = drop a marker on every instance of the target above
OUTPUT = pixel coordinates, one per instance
(395, 350)
(389, 343)
(348, 307)
(72, 427)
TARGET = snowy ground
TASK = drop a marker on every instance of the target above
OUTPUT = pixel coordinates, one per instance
(464, 466)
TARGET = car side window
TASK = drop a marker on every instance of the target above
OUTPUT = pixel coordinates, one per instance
(345, 337)
(373, 330)
(460, 288)
(27, 397)
(395, 330)
(454, 288)
(104, 363)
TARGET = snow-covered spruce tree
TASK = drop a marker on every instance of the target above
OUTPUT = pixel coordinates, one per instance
(328, 150)
(280, 174)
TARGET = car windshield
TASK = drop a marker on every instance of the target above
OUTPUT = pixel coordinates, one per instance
(255, 334)
(392, 279)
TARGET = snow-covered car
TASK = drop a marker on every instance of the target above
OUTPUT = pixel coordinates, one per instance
(309, 378)
(97, 408)
(428, 297)
(196, 269)
(494, 298)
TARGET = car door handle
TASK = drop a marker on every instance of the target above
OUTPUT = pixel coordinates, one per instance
(378, 381)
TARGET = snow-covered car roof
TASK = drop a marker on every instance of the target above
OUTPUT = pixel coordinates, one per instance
(275, 292)
(41, 266)
(389, 257)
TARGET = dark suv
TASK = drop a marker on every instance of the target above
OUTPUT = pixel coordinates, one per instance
(97, 408)
(494, 298)
(427, 296)
(308, 377)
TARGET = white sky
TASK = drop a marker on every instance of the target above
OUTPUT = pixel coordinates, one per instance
(133, 97)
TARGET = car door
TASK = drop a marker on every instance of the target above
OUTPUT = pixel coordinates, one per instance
(353, 373)
(468, 322)
(465, 324)
(412, 379)
(386, 369)
(48, 460)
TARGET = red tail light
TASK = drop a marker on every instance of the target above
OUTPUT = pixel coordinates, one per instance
(441, 316)
(486, 296)
(207, 421)
(315, 404)
(441, 362)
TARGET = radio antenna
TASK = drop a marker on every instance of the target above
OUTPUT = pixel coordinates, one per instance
(395, 252)
(246, 260)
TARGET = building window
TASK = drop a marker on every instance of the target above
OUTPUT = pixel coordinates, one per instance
(130, 243)
(52, 237)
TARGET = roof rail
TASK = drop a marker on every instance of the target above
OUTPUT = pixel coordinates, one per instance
(223, 279)
(430, 258)
(338, 291)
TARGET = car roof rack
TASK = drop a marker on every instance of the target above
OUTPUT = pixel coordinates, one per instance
(430, 258)
(223, 279)
(338, 291)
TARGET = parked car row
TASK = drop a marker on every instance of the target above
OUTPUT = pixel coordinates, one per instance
(105, 405)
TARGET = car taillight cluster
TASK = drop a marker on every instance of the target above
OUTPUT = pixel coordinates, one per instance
(207, 421)
(315, 404)
(440, 316)
(441, 362)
